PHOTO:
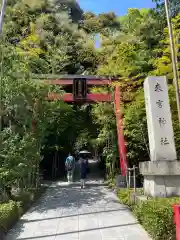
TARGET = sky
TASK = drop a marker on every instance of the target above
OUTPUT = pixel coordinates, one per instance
(118, 6)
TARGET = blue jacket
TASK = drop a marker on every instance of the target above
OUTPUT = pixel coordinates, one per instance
(70, 161)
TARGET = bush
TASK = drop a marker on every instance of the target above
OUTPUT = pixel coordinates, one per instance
(156, 216)
(124, 196)
(9, 214)
(111, 183)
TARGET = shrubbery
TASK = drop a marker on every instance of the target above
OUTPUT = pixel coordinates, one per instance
(155, 215)
(10, 212)
(124, 196)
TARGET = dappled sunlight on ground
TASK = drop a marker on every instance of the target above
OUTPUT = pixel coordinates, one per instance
(68, 212)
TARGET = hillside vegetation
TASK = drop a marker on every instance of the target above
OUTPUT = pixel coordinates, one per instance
(48, 37)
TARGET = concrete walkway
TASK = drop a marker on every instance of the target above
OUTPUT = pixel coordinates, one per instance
(70, 213)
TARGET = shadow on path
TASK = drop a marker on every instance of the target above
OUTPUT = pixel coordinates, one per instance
(73, 215)
(87, 230)
(68, 197)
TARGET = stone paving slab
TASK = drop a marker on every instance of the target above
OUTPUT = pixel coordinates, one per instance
(66, 212)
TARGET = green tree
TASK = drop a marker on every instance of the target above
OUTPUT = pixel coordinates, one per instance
(104, 23)
(136, 134)
(174, 6)
(162, 63)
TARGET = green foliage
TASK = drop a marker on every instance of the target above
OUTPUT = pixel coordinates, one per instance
(135, 130)
(9, 214)
(11, 211)
(124, 196)
(139, 48)
(38, 37)
(23, 101)
(156, 216)
(127, 54)
(162, 63)
(176, 128)
(135, 127)
(106, 140)
(48, 37)
(103, 23)
(174, 5)
(126, 61)
(51, 37)
(111, 183)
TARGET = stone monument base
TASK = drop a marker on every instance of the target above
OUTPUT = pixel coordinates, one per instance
(161, 178)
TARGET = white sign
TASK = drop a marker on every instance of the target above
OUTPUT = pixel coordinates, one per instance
(160, 130)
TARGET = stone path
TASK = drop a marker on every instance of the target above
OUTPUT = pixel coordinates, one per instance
(70, 213)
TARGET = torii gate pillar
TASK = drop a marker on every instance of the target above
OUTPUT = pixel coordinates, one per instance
(120, 135)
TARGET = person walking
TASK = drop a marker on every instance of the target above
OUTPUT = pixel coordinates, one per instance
(83, 163)
(70, 165)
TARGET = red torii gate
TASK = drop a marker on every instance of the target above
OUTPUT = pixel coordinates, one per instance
(80, 93)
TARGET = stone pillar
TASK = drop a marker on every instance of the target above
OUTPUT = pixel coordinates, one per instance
(162, 173)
